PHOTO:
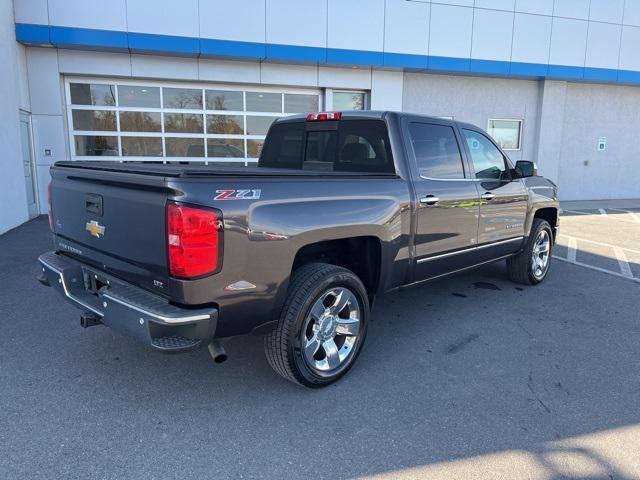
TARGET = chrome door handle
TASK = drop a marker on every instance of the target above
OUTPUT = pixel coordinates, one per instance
(488, 196)
(429, 200)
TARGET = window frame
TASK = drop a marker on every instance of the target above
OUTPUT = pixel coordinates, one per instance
(520, 128)
(162, 134)
(411, 162)
(465, 169)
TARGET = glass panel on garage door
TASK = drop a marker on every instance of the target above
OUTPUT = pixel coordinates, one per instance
(148, 121)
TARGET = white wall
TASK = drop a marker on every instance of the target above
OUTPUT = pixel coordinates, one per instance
(549, 128)
(475, 100)
(48, 117)
(562, 32)
(13, 196)
(594, 111)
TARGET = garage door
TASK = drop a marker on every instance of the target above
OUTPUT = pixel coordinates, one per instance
(152, 121)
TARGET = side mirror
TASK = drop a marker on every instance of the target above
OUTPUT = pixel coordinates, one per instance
(525, 168)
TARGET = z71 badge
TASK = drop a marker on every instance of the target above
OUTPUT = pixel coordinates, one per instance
(237, 194)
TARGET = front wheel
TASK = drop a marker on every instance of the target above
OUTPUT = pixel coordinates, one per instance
(531, 266)
(322, 327)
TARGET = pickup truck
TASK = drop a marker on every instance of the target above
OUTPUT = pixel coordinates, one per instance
(341, 207)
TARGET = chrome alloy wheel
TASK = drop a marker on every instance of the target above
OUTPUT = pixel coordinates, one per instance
(331, 330)
(540, 254)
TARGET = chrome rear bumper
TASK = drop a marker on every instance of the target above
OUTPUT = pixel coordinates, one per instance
(129, 309)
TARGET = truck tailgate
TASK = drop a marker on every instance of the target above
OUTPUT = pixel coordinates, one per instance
(115, 220)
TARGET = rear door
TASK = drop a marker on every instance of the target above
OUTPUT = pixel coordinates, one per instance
(503, 199)
(447, 210)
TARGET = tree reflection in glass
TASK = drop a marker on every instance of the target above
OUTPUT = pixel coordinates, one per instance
(140, 122)
(232, 124)
(182, 98)
(183, 123)
(224, 100)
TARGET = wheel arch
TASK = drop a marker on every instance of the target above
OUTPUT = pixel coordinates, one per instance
(550, 214)
(361, 254)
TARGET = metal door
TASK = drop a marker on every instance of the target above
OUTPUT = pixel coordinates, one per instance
(28, 164)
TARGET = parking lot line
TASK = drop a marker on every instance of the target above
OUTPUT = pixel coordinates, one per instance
(602, 214)
(571, 249)
(623, 262)
(598, 269)
(598, 243)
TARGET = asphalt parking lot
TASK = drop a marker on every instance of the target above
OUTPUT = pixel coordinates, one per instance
(605, 239)
(469, 377)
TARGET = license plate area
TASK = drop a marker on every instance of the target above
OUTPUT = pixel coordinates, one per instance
(94, 282)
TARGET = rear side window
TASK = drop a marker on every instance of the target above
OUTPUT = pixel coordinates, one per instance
(436, 150)
(356, 146)
(284, 146)
(363, 146)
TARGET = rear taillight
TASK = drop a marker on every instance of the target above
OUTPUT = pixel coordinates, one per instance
(49, 211)
(193, 241)
(323, 116)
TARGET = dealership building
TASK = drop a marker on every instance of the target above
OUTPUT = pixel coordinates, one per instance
(554, 81)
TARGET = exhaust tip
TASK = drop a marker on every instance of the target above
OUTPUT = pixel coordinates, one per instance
(217, 352)
(220, 358)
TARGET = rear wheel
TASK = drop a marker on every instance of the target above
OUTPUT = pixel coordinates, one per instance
(531, 266)
(322, 326)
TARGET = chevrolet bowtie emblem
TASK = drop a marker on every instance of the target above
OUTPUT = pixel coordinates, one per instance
(94, 228)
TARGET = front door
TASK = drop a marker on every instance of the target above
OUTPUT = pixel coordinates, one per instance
(27, 163)
(448, 203)
(503, 207)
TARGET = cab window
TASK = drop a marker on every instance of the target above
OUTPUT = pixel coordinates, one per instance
(488, 160)
(354, 146)
(436, 151)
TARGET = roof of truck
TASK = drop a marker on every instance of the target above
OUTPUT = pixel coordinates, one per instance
(368, 114)
(378, 115)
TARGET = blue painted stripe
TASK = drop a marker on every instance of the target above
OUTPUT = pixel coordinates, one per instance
(529, 69)
(210, 47)
(628, 76)
(601, 74)
(405, 60)
(565, 72)
(449, 64)
(150, 43)
(68, 37)
(31, 34)
(493, 67)
(93, 39)
(354, 57)
(296, 53)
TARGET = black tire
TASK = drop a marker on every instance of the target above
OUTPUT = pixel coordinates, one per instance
(283, 346)
(520, 267)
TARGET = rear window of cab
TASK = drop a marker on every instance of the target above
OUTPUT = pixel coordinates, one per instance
(352, 146)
